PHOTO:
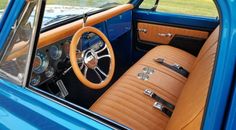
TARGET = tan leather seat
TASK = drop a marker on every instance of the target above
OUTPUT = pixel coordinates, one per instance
(125, 102)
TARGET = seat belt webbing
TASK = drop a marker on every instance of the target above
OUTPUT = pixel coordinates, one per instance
(162, 108)
(160, 103)
(175, 67)
(159, 99)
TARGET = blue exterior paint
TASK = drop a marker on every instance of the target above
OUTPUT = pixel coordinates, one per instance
(22, 109)
(10, 19)
(231, 117)
(225, 64)
(176, 19)
(6, 13)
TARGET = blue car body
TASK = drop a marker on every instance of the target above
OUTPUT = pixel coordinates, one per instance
(24, 109)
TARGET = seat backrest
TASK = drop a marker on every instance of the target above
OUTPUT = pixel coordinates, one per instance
(191, 103)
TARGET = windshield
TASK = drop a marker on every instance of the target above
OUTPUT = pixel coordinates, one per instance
(59, 10)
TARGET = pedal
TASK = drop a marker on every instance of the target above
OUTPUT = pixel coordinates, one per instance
(63, 90)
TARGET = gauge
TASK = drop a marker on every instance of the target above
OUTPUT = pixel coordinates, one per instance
(49, 72)
(97, 45)
(40, 63)
(55, 52)
(35, 80)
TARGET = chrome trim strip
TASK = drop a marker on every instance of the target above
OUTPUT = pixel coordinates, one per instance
(32, 40)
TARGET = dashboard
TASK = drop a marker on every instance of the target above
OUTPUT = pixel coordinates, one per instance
(52, 60)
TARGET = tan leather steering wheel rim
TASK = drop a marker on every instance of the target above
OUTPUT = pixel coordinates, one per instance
(73, 58)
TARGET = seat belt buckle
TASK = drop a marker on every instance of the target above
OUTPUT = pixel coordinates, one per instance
(148, 92)
(178, 66)
(159, 60)
(158, 106)
(162, 108)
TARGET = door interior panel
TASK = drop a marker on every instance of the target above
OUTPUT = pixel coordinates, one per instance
(178, 20)
(182, 31)
(162, 34)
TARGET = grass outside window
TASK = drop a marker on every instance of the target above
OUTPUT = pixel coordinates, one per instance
(190, 7)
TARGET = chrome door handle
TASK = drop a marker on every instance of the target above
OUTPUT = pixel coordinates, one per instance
(165, 34)
(142, 30)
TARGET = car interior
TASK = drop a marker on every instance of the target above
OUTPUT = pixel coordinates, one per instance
(134, 67)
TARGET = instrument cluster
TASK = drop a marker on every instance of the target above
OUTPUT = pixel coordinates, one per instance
(50, 61)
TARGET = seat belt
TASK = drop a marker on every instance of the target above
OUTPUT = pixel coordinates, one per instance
(175, 67)
(160, 103)
(162, 108)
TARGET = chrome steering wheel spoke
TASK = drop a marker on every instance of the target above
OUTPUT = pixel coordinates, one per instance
(85, 71)
(102, 72)
(104, 56)
(101, 50)
(99, 73)
(99, 76)
(85, 59)
(82, 66)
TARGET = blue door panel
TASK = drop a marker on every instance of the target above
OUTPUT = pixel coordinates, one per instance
(119, 25)
(187, 21)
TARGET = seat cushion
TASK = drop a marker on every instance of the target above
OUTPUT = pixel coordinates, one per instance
(125, 101)
(190, 106)
(171, 55)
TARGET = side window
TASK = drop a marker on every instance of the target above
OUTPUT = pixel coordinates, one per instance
(205, 8)
(3, 5)
(13, 64)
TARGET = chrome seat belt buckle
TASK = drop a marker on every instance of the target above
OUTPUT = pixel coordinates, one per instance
(178, 66)
(148, 92)
(158, 106)
(159, 60)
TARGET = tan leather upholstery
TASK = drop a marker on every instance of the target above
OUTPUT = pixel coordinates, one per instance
(171, 55)
(153, 30)
(125, 102)
(189, 108)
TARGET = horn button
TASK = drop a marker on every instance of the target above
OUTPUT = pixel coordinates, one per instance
(91, 59)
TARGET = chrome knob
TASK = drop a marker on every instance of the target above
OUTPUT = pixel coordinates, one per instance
(148, 70)
(143, 76)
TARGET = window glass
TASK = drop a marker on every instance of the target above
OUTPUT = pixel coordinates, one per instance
(3, 5)
(14, 62)
(190, 7)
(59, 10)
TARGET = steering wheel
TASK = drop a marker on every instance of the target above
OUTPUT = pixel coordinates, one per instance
(89, 59)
